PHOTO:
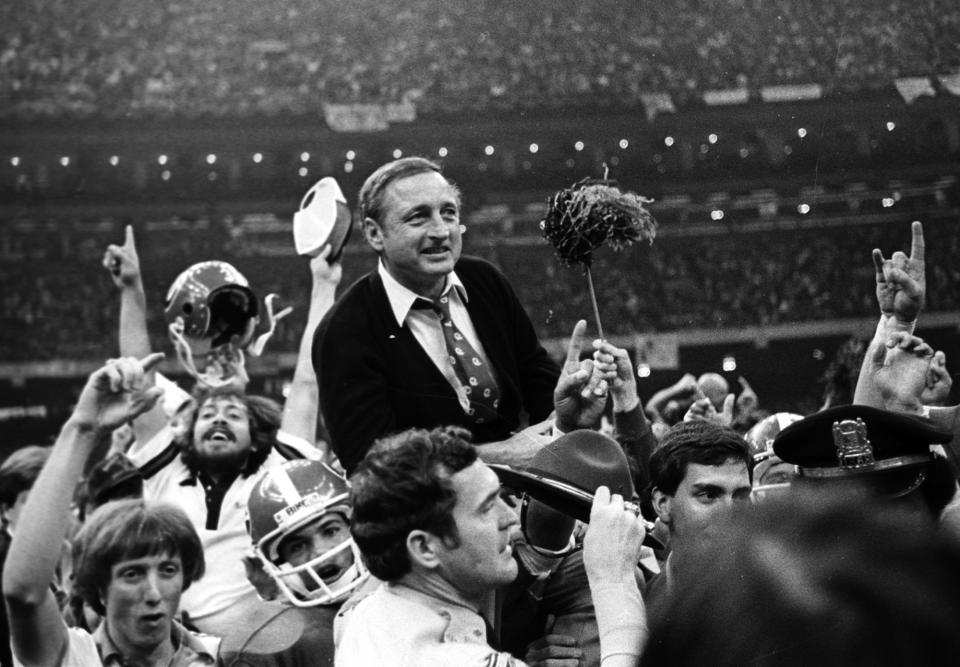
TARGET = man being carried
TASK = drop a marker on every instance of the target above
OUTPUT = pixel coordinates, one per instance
(430, 338)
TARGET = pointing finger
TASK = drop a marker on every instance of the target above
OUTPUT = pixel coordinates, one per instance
(576, 342)
(878, 264)
(150, 361)
(917, 245)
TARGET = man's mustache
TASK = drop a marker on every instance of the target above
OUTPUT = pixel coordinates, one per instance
(210, 432)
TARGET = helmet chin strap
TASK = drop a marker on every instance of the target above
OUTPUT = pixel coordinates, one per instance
(256, 347)
(232, 366)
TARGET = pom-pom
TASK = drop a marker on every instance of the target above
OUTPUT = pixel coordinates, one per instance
(592, 212)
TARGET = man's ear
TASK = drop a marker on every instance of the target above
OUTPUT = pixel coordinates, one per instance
(373, 233)
(661, 503)
(423, 549)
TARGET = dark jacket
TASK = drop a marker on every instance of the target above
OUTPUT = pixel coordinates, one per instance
(375, 378)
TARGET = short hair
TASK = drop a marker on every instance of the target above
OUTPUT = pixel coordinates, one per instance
(370, 199)
(700, 442)
(20, 470)
(128, 529)
(817, 577)
(401, 485)
(264, 418)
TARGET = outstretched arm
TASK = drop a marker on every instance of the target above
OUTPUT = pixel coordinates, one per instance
(901, 290)
(631, 428)
(682, 388)
(301, 408)
(123, 264)
(611, 550)
(113, 395)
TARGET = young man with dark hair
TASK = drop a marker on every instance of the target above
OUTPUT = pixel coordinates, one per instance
(299, 523)
(430, 521)
(136, 559)
(699, 472)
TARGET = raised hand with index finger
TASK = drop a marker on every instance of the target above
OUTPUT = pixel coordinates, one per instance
(122, 261)
(901, 280)
(117, 393)
(580, 394)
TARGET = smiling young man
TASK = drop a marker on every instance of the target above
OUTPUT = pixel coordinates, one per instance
(699, 473)
(299, 515)
(429, 338)
(135, 558)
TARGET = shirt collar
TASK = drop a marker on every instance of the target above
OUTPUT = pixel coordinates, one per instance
(401, 298)
(181, 637)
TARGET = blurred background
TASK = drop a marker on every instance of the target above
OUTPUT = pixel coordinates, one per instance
(781, 140)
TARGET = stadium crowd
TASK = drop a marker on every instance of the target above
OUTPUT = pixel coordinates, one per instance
(54, 307)
(194, 59)
(437, 486)
(436, 489)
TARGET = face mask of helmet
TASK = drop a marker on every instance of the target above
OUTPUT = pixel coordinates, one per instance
(287, 499)
(304, 586)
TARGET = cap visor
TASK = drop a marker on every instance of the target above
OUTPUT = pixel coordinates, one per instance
(558, 495)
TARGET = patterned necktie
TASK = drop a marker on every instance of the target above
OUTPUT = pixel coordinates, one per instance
(474, 375)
